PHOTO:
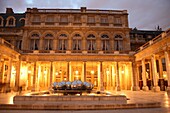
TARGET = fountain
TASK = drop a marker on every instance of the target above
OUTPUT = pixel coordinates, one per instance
(80, 96)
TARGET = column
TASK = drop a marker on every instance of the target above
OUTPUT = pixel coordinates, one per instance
(101, 78)
(68, 72)
(135, 85)
(51, 72)
(34, 77)
(145, 87)
(168, 70)
(117, 78)
(160, 68)
(84, 71)
(17, 75)
(155, 74)
(9, 70)
(161, 79)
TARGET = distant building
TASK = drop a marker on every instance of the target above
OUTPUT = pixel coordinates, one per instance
(42, 46)
(140, 37)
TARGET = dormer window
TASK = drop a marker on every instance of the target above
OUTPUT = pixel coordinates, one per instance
(10, 21)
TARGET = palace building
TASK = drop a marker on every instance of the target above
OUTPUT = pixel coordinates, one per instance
(42, 46)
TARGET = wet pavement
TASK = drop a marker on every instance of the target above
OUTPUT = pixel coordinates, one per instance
(133, 97)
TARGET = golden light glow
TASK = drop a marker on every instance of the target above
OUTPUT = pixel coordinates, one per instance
(45, 72)
(56, 73)
(76, 72)
(92, 72)
(29, 72)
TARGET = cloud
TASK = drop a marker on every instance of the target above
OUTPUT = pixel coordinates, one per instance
(143, 14)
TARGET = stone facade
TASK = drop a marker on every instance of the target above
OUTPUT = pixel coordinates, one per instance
(53, 45)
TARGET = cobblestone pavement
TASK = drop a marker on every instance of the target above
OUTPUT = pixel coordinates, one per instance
(133, 96)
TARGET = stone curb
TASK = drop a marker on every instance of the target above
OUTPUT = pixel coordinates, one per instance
(78, 107)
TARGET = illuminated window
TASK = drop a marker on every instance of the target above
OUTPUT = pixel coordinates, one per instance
(118, 43)
(34, 42)
(48, 42)
(76, 42)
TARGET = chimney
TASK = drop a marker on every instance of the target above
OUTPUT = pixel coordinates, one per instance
(9, 11)
(83, 9)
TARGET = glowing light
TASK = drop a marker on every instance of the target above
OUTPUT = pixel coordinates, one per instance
(76, 72)
(123, 72)
(92, 72)
(29, 71)
(107, 72)
(45, 72)
(56, 73)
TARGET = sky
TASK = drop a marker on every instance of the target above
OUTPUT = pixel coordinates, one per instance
(143, 14)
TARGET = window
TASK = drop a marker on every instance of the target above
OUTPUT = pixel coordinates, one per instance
(1, 21)
(77, 18)
(36, 18)
(76, 42)
(118, 43)
(91, 19)
(48, 42)
(62, 43)
(105, 42)
(104, 19)
(117, 21)
(10, 21)
(34, 42)
(64, 19)
(91, 43)
(50, 19)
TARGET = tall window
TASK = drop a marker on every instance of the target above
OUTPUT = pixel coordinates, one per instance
(105, 42)
(76, 42)
(34, 42)
(48, 42)
(62, 42)
(91, 43)
(11, 21)
(118, 43)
